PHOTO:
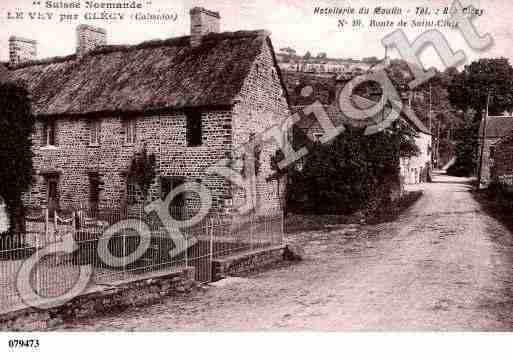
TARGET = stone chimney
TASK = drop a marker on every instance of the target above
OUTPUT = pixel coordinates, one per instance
(21, 50)
(89, 38)
(203, 22)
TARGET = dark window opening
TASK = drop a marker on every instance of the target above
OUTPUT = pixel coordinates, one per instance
(130, 127)
(95, 131)
(194, 129)
(49, 134)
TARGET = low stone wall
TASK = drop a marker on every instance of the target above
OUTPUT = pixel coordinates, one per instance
(246, 262)
(102, 299)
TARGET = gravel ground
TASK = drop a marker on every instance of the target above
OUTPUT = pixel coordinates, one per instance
(442, 265)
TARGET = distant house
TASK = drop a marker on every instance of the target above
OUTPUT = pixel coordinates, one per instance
(496, 128)
(190, 100)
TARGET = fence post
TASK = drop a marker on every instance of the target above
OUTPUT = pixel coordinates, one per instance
(47, 220)
(73, 224)
(124, 255)
(282, 227)
(251, 230)
(37, 269)
(55, 221)
(186, 244)
(211, 248)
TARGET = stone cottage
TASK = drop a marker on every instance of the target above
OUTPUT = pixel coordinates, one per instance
(497, 127)
(191, 101)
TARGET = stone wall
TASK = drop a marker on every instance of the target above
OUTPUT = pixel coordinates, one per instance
(486, 175)
(246, 262)
(502, 164)
(73, 158)
(97, 301)
(263, 105)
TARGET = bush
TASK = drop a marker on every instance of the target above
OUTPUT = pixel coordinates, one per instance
(17, 124)
(352, 173)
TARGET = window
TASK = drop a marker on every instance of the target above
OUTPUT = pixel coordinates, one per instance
(49, 133)
(194, 130)
(130, 126)
(94, 132)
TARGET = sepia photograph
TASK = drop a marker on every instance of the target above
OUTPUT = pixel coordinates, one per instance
(257, 168)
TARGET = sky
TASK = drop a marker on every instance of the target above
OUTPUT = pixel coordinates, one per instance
(291, 23)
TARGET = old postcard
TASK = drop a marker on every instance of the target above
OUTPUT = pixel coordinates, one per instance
(272, 165)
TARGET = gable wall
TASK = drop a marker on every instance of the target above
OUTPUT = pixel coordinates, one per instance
(263, 104)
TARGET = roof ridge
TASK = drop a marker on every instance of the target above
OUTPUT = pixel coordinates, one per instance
(172, 41)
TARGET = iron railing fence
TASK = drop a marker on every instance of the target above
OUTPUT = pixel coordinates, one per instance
(109, 243)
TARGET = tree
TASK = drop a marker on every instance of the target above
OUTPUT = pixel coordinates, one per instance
(142, 170)
(485, 81)
(352, 172)
(322, 56)
(17, 124)
(307, 56)
(470, 88)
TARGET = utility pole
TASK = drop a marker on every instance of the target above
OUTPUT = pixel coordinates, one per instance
(429, 114)
(433, 143)
(483, 139)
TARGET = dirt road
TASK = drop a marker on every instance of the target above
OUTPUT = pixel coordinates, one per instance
(443, 265)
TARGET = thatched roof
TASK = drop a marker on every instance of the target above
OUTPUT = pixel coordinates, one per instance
(152, 76)
(497, 126)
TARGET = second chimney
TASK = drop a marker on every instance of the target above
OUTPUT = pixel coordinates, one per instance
(21, 50)
(89, 38)
(203, 22)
